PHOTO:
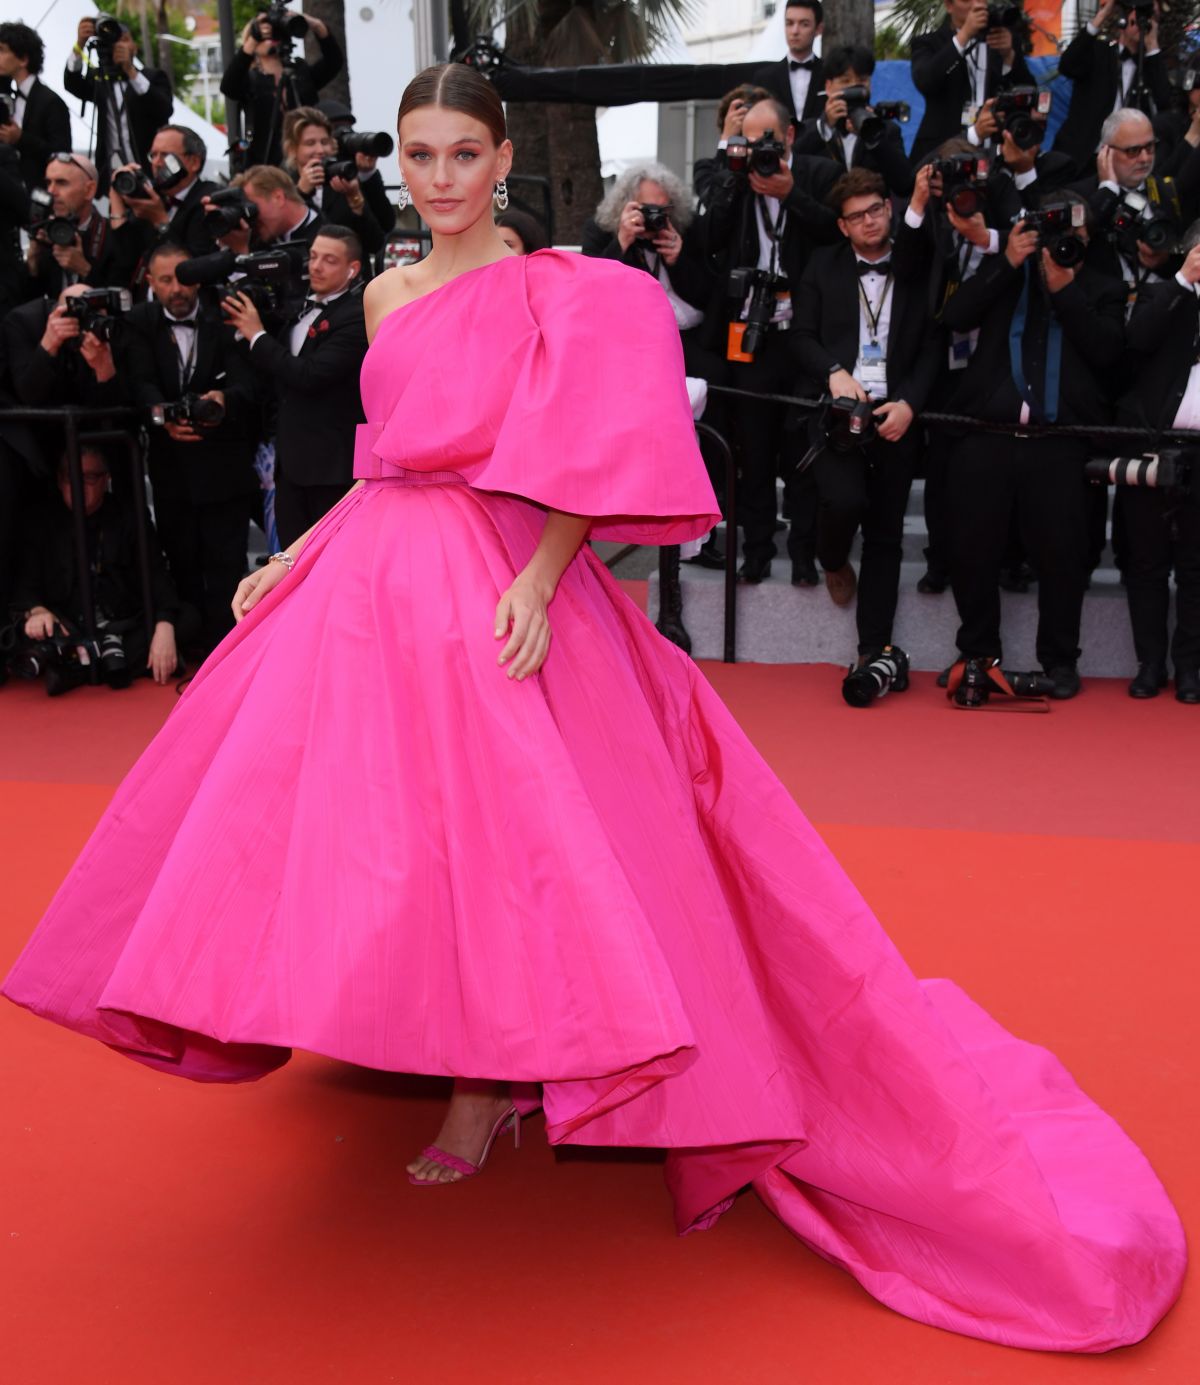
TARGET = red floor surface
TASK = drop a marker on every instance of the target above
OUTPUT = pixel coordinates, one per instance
(160, 1232)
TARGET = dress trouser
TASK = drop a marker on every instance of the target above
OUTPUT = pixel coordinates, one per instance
(869, 488)
(205, 547)
(1162, 531)
(760, 427)
(703, 363)
(991, 477)
(297, 508)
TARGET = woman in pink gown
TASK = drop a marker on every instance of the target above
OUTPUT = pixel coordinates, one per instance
(581, 876)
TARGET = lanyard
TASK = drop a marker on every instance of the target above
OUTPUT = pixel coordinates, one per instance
(874, 314)
(773, 233)
(1016, 334)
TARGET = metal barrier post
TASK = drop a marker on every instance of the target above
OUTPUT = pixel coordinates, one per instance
(729, 654)
(137, 470)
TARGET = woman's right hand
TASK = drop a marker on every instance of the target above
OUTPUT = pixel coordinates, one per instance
(252, 589)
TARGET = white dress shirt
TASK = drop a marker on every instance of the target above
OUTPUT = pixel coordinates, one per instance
(876, 290)
(800, 79)
(686, 317)
(120, 136)
(21, 98)
(183, 334)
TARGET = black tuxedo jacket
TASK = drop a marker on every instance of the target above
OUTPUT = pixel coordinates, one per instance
(45, 130)
(1094, 67)
(826, 328)
(317, 393)
(691, 277)
(1091, 311)
(335, 209)
(888, 159)
(136, 238)
(1005, 201)
(775, 78)
(941, 74)
(1163, 334)
(146, 114)
(221, 466)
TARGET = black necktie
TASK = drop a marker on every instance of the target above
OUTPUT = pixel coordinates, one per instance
(874, 267)
(807, 65)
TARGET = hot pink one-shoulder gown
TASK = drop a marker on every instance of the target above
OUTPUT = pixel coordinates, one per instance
(588, 880)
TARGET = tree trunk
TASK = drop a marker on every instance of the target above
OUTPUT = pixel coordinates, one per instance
(849, 21)
(333, 13)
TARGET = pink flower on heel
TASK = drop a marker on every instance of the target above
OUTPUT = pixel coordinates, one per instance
(510, 1119)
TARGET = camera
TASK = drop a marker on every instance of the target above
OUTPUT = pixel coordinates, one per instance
(866, 122)
(376, 143)
(271, 279)
(1171, 468)
(1154, 218)
(42, 221)
(886, 672)
(1015, 110)
(284, 27)
(109, 31)
(964, 181)
(191, 410)
(760, 286)
(1142, 9)
(973, 682)
(99, 311)
(655, 218)
(848, 423)
(228, 208)
(1056, 225)
(345, 169)
(1015, 20)
(133, 182)
(762, 156)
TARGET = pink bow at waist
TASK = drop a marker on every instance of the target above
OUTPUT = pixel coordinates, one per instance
(370, 466)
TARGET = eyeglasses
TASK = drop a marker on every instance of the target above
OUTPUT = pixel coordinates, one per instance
(81, 165)
(1133, 151)
(876, 209)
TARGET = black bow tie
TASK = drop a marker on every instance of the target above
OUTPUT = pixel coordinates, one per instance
(310, 305)
(874, 267)
(1128, 57)
(807, 65)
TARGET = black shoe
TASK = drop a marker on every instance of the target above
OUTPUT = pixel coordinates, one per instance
(1065, 678)
(755, 570)
(943, 678)
(62, 678)
(804, 573)
(1187, 685)
(933, 583)
(1148, 680)
(711, 555)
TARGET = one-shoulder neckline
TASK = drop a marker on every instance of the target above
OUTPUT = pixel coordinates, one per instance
(430, 293)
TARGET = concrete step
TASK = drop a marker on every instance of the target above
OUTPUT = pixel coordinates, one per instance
(781, 624)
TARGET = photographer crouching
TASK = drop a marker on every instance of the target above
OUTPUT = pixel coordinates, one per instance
(863, 335)
(1051, 328)
(186, 369)
(313, 362)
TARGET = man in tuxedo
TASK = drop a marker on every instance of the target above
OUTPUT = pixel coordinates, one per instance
(283, 216)
(957, 68)
(313, 363)
(796, 81)
(160, 214)
(1103, 79)
(1020, 176)
(769, 224)
(1161, 527)
(307, 142)
(831, 134)
(94, 257)
(1049, 337)
(863, 332)
(129, 109)
(40, 124)
(203, 475)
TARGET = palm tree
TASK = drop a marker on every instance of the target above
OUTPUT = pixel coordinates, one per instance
(557, 141)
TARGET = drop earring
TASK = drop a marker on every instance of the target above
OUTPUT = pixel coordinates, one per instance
(501, 195)
(403, 197)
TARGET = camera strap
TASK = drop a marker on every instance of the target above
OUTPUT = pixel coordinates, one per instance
(1041, 411)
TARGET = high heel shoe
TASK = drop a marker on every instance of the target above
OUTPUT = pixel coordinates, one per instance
(509, 1120)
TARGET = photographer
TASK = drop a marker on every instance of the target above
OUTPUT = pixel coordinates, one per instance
(49, 594)
(1021, 172)
(59, 353)
(273, 211)
(169, 204)
(1104, 76)
(863, 333)
(1161, 525)
(314, 364)
(308, 146)
(267, 81)
(849, 131)
(132, 103)
(795, 81)
(92, 255)
(33, 119)
(1050, 331)
(962, 63)
(765, 212)
(731, 112)
(179, 353)
(370, 179)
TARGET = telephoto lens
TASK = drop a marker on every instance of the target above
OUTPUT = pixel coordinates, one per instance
(886, 672)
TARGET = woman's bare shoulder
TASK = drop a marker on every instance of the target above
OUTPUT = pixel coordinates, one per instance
(387, 292)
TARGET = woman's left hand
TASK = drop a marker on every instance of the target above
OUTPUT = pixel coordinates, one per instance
(521, 615)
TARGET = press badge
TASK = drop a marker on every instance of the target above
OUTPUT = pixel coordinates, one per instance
(970, 114)
(872, 370)
(962, 344)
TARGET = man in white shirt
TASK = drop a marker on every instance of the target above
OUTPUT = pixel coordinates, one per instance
(796, 81)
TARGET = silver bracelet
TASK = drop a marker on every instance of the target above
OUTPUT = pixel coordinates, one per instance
(285, 558)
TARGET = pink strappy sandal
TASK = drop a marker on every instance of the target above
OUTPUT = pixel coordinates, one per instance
(511, 1119)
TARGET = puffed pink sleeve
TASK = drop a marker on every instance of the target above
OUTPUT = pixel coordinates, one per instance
(599, 421)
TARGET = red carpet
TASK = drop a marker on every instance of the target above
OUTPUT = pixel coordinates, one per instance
(156, 1232)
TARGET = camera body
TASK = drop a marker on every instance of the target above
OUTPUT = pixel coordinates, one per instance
(886, 672)
(134, 182)
(43, 221)
(271, 279)
(1142, 9)
(345, 169)
(109, 32)
(285, 29)
(655, 218)
(1155, 218)
(99, 311)
(1015, 111)
(848, 423)
(760, 286)
(762, 156)
(964, 181)
(191, 409)
(1057, 225)
(228, 208)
